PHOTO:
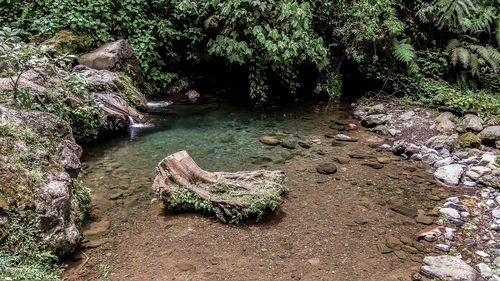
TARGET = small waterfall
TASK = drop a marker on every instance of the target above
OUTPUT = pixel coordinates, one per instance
(158, 104)
(133, 124)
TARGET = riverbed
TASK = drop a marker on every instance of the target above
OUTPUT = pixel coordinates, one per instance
(331, 227)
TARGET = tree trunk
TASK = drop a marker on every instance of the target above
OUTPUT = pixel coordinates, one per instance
(183, 185)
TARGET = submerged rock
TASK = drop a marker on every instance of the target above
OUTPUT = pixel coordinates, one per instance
(326, 168)
(374, 120)
(268, 140)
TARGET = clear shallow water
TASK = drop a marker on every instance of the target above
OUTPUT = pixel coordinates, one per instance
(219, 137)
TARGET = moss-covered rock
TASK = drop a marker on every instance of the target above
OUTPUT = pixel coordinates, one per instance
(37, 155)
(66, 41)
(469, 139)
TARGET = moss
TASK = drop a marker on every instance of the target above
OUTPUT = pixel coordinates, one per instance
(469, 140)
(66, 41)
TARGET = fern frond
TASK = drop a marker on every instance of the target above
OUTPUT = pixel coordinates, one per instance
(454, 56)
(403, 51)
(452, 44)
(463, 56)
(489, 54)
(474, 64)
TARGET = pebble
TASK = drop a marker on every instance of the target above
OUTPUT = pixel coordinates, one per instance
(484, 269)
(496, 213)
(442, 247)
(482, 254)
(453, 200)
(449, 213)
(385, 146)
(490, 203)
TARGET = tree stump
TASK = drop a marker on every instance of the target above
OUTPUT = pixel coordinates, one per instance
(182, 185)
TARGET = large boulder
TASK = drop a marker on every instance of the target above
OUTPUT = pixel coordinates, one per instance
(38, 185)
(448, 268)
(470, 122)
(490, 134)
(105, 80)
(444, 116)
(469, 139)
(448, 142)
(115, 56)
(375, 120)
(65, 41)
(117, 110)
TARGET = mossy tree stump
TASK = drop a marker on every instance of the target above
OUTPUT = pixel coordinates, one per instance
(231, 197)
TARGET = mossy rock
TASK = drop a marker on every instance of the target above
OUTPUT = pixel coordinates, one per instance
(469, 140)
(66, 41)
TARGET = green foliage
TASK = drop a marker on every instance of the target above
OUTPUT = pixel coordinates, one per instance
(21, 257)
(250, 205)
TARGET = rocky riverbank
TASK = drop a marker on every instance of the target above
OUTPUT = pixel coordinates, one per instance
(463, 152)
(42, 200)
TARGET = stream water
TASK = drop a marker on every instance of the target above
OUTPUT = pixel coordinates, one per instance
(217, 136)
(327, 229)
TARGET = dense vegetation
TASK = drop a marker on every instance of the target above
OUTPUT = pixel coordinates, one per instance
(439, 51)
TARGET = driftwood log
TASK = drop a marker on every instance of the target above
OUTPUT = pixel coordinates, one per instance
(182, 185)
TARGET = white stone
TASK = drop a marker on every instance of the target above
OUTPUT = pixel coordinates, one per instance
(449, 213)
(496, 213)
(448, 268)
(482, 254)
(488, 158)
(449, 233)
(443, 162)
(484, 269)
(453, 200)
(442, 247)
(490, 203)
(449, 175)
(465, 214)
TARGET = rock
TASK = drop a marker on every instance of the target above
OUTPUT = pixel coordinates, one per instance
(287, 144)
(484, 269)
(423, 219)
(446, 126)
(51, 201)
(490, 134)
(496, 213)
(383, 249)
(488, 159)
(448, 268)
(430, 159)
(342, 137)
(383, 160)
(453, 200)
(314, 261)
(411, 150)
(393, 243)
(268, 140)
(444, 116)
(381, 130)
(482, 254)
(341, 160)
(377, 109)
(373, 165)
(409, 249)
(117, 109)
(192, 96)
(326, 168)
(262, 160)
(448, 142)
(66, 41)
(407, 115)
(450, 213)
(442, 247)
(449, 175)
(374, 120)
(471, 122)
(469, 140)
(405, 211)
(492, 179)
(115, 56)
(475, 172)
(399, 147)
(351, 127)
(400, 254)
(357, 155)
(304, 144)
(443, 162)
